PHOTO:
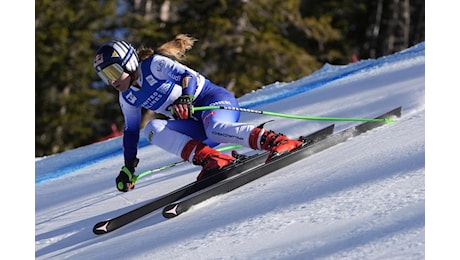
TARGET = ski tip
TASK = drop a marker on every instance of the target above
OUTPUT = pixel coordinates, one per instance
(101, 228)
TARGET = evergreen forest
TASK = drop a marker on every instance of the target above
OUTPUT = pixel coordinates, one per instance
(242, 45)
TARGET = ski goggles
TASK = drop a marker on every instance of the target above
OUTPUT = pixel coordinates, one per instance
(110, 73)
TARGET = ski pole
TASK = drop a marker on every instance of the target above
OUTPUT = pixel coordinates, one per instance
(167, 166)
(241, 109)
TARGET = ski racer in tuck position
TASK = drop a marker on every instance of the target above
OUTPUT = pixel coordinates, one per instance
(156, 80)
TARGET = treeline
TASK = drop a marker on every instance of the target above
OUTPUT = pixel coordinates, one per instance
(242, 45)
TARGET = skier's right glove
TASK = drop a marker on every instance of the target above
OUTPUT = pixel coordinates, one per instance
(182, 108)
(126, 179)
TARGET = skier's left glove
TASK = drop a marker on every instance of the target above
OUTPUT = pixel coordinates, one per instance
(182, 108)
(126, 179)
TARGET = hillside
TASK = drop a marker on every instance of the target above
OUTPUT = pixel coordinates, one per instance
(363, 199)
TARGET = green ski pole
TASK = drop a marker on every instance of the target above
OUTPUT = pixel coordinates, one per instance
(241, 109)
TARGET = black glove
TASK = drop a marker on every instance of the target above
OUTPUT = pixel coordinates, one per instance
(182, 108)
(126, 179)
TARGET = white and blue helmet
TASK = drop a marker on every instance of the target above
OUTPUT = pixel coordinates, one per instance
(119, 52)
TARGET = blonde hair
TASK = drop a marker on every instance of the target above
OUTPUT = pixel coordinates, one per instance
(175, 48)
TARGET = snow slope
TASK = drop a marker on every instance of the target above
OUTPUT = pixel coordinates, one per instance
(363, 199)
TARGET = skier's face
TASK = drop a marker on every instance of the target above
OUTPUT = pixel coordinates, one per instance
(122, 83)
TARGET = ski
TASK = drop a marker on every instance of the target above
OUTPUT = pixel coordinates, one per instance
(243, 163)
(174, 209)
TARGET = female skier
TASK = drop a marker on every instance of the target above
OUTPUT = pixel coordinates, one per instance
(157, 81)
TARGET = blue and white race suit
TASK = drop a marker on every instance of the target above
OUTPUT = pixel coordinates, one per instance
(160, 81)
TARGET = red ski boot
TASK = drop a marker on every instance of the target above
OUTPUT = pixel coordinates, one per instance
(209, 158)
(276, 144)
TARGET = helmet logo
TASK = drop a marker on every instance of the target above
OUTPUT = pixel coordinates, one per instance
(98, 60)
(115, 54)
